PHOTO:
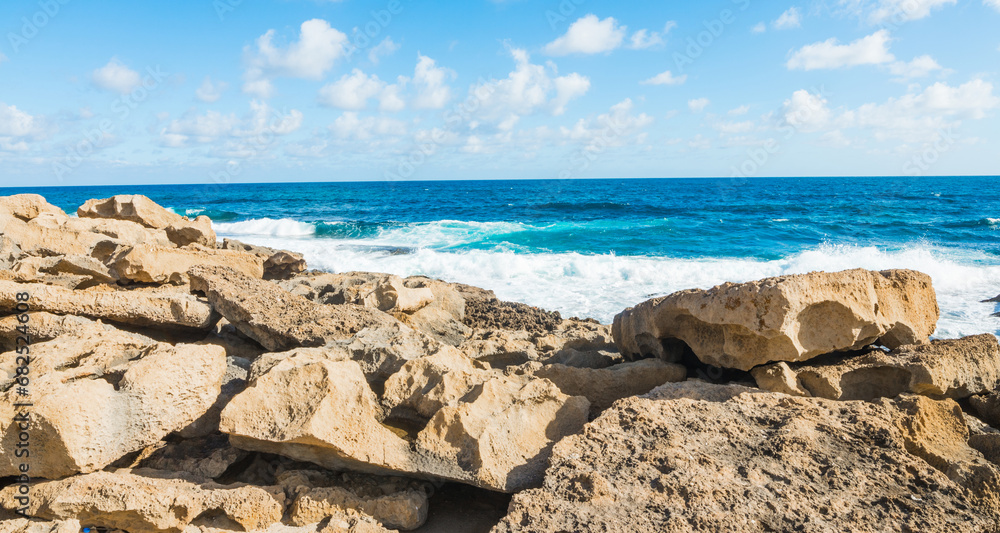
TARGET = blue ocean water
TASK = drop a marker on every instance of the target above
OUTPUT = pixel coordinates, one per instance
(590, 248)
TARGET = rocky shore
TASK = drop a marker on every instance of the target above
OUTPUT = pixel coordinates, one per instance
(156, 379)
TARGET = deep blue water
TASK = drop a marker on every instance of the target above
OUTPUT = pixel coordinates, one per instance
(593, 247)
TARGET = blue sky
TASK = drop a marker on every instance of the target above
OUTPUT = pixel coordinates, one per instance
(205, 91)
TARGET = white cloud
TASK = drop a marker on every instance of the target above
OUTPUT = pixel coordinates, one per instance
(698, 104)
(16, 123)
(665, 78)
(210, 91)
(588, 35)
(613, 128)
(349, 126)
(920, 67)
(430, 81)
(213, 126)
(995, 4)
(644, 38)
(788, 20)
(741, 110)
(898, 11)
(116, 77)
(313, 55)
(732, 128)
(806, 111)
(760, 27)
(870, 50)
(528, 89)
(2, 57)
(352, 91)
(382, 49)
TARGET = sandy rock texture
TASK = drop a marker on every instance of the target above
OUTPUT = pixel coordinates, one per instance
(788, 318)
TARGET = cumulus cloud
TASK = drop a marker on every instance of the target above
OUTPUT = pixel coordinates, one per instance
(788, 20)
(903, 10)
(995, 4)
(16, 123)
(613, 128)
(117, 77)
(210, 91)
(383, 49)
(528, 89)
(741, 110)
(352, 91)
(644, 38)
(350, 126)
(806, 111)
(829, 54)
(431, 84)
(665, 78)
(919, 67)
(698, 104)
(588, 35)
(212, 125)
(310, 57)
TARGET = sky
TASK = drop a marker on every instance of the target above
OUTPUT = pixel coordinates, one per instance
(223, 91)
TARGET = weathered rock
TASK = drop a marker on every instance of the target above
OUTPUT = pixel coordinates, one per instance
(276, 318)
(120, 232)
(146, 264)
(149, 501)
(576, 343)
(278, 264)
(234, 381)
(787, 318)
(30, 206)
(423, 386)
(984, 439)
(486, 313)
(25, 525)
(955, 369)
(100, 397)
(603, 387)
(47, 326)
(735, 460)
(35, 239)
(393, 502)
(81, 266)
(316, 405)
(139, 307)
(142, 210)
(987, 407)
(205, 457)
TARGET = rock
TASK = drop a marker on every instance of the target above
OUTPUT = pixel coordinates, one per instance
(277, 319)
(147, 264)
(206, 457)
(24, 525)
(744, 461)
(234, 381)
(138, 502)
(987, 407)
(984, 439)
(955, 369)
(316, 405)
(81, 265)
(396, 503)
(278, 264)
(47, 326)
(603, 387)
(487, 313)
(139, 307)
(787, 318)
(423, 386)
(120, 232)
(10, 252)
(102, 396)
(573, 342)
(30, 206)
(38, 240)
(142, 210)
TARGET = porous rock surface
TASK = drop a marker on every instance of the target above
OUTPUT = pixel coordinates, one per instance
(787, 318)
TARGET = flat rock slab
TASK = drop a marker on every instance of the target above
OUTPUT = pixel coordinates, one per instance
(787, 318)
(954, 368)
(700, 457)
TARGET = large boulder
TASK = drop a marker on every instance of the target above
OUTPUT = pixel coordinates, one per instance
(152, 264)
(278, 264)
(150, 501)
(787, 318)
(140, 307)
(956, 368)
(141, 210)
(701, 457)
(99, 397)
(316, 405)
(31, 206)
(315, 495)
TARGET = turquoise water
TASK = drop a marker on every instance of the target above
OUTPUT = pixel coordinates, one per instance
(594, 247)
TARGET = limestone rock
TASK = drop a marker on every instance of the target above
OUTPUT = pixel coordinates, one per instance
(278, 264)
(45, 327)
(744, 461)
(25, 525)
(205, 457)
(396, 503)
(234, 381)
(140, 307)
(576, 343)
(100, 397)
(46, 241)
(787, 318)
(142, 210)
(30, 206)
(146, 264)
(277, 319)
(956, 369)
(121, 232)
(602, 387)
(987, 407)
(316, 405)
(423, 386)
(984, 439)
(148, 501)
(490, 313)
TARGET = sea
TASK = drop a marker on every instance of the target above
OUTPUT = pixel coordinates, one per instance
(591, 248)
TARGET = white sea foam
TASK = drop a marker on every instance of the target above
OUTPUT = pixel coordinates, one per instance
(265, 227)
(600, 286)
